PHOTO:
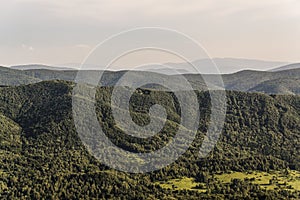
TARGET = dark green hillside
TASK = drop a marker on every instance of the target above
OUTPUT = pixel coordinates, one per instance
(15, 77)
(9, 133)
(43, 157)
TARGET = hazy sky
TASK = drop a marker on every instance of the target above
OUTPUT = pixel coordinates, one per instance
(64, 31)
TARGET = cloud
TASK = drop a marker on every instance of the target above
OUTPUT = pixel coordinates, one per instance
(26, 47)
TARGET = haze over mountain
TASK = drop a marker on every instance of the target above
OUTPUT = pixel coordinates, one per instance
(224, 65)
(277, 82)
(279, 86)
(40, 66)
(286, 67)
(10, 77)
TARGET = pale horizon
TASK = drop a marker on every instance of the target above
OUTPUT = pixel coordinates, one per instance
(55, 32)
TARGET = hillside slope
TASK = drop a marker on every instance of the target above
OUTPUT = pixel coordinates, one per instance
(286, 67)
(279, 82)
(261, 133)
(9, 77)
(278, 86)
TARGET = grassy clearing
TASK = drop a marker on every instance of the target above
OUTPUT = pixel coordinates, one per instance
(184, 183)
(288, 179)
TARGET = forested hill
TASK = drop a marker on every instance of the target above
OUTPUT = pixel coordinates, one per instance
(277, 82)
(11, 77)
(43, 157)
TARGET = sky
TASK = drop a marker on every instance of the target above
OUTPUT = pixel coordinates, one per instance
(65, 31)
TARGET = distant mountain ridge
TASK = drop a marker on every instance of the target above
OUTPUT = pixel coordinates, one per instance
(203, 66)
(39, 66)
(226, 65)
(270, 82)
(286, 67)
(12, 77)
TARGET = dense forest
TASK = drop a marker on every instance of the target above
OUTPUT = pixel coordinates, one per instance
(42, 155)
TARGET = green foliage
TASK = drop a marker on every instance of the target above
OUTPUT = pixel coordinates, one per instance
(43, 157)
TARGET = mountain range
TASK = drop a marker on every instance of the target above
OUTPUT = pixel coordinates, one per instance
(283, 80)
(224, 65)
(44, 157)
